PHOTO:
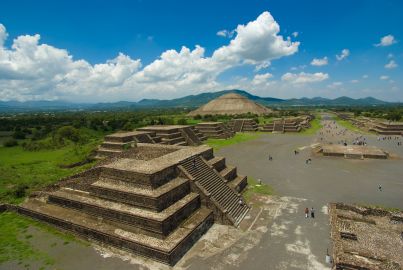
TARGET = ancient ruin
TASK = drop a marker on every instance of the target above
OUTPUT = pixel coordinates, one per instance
(231, 104)
(294, 124)
(352, 151)
(152, 199)
(163, 134)
(243, 125)
(388, 128)
(366, 238)
(217, 130)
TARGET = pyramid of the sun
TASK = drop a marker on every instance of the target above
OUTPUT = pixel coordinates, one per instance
(231, 104)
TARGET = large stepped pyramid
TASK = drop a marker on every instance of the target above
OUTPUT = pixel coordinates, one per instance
(215, 130)
(153, 200)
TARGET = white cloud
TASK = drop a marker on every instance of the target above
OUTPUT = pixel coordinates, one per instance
(31, 70)
(295, 34)
(304, 77)
(261, 78)
(354, 81)
(3, 34)
(390, 55)
(391, 64)
(384, 77)
(386, 41)
(335, 85)
(344, 54)
(319, 62)
(225, 33)
(365, 76)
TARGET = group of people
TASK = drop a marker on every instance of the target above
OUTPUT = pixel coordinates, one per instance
(307, 212)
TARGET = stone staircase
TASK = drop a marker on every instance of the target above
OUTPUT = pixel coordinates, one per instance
(238, 126)
(278, 127)
(190, 136)
(216, 188)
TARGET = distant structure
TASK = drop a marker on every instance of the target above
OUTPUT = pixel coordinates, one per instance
(388, 128)
(231, 104)
(243, 125)
(217, 130)
(293, 124)
(178, 135)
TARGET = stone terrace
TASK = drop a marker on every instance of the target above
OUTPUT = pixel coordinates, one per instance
(215, 130)
(366, 238)
(242, 125)
(154, 200)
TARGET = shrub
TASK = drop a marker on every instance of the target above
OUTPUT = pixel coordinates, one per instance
(11, 143)
(182, 121)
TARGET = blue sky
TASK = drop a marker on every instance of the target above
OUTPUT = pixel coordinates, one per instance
(129, 50)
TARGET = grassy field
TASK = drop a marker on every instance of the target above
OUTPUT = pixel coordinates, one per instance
(22, 171)
(16, 241)
(254, 188)
(238, 138)
(315, 126)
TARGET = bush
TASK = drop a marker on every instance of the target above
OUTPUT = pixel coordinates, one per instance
(19, 135)
(20, 191)
(68, 132)
(182, 121)
(11, 143)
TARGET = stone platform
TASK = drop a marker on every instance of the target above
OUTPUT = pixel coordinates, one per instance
(215, 130)
(178, 135)
(366, 238)
(243, 125)
(154, 200)
(353, 151)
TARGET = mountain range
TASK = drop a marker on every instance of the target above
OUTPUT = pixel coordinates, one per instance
(191, 101)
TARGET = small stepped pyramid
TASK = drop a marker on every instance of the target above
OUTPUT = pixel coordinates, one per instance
(243, 125)
(176, 134)
(215, 130)
(151, 212)
(116, 143)
(154, 200)
(216, 188)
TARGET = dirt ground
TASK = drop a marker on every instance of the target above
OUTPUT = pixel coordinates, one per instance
(275, 234)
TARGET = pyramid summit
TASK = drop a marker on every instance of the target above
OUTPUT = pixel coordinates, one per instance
(231, 104)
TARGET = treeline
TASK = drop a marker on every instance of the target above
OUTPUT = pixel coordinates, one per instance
(392, 113)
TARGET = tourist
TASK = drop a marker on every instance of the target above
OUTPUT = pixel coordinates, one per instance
(306, 212)
(194, 163)
(240, 202)
(312, 212)
(380, 187)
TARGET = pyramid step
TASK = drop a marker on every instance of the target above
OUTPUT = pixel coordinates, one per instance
(168, 250)
(156, 222)
(153, 199)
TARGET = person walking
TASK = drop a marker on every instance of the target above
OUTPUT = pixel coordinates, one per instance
(306, 212)
(380, 187)
(312, 212)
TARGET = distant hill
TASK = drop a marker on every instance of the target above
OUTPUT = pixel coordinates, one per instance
(191, 101)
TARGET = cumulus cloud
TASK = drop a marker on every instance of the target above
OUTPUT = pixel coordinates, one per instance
(344, 54)
(386, 41)
(365, 76)
(384, 77)
(391, 64)
(225, 33)
(319, 61)
(304, 77)
(295, 34)
(335, 85)
(31, 70)
(261, 78)
(354, 81)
